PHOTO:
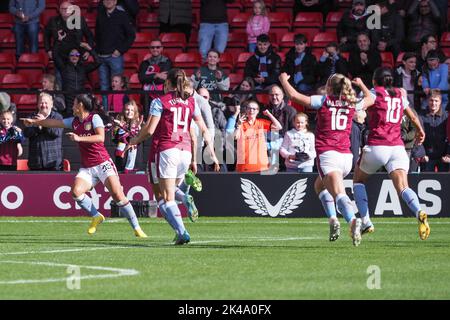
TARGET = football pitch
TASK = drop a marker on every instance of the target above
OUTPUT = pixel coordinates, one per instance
(228, 258)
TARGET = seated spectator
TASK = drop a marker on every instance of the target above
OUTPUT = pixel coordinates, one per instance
(11, 138)
(391, 34)
(26, 23)
(353, 22)
(153, 71)
(45, 144)
(74, 74)
(434, 125)
(300, 64)
(258, 23)
(363, 60)
(435, 76)
(331, 62)
(250, 134)
(427, 43)
(211, 76)
(407, 77)
(117, 101)
(126, 126)
(236, 99)
(298, 146)
(49, 86)
(358, 135)
(265, 65)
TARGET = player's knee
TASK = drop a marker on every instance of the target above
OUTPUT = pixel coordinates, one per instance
(76, 192)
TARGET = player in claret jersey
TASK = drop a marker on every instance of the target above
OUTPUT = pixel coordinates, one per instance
(171, 117)
(385, 148)
(334, 112)
(96, 164)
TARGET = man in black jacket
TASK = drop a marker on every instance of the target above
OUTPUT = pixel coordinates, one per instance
(353, 22)
(331, 62)
(363, 60)
(265, 65)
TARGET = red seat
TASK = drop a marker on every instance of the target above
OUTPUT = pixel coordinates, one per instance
(8, 40)
(227, 61)
(130, 60)
(248, 5)
(33, 76)
(286, 41)
(7, 61)
(399, 60)
(46, 15)
(239, 21)
(242, 59)
(262, 98)
(15, 81)
(234, 8)
(235, 79)
(309, 33)
(173, 40)
(134, 82)
(445, 39)
(387, 59)
(66, 165)
(148, 20)
(6, 20)
(283, 5)
(90, 18)
(280, 23)
(27, 103)
(323, 38)
(189, 61)
(142, 40)
(308, 19)
(317, 52)
(333, 19)
(33, 61)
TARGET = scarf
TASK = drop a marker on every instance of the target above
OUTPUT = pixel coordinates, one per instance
(298, 76)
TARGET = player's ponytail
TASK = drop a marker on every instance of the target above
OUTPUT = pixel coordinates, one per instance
(177, 79)
(341, 86)
(383, 77)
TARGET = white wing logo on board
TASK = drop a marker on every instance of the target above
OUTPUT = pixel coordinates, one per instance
(259, 203)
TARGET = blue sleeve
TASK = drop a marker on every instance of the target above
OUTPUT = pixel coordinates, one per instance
(231, 124)
(425, 83)
(156, 107)
(443, 70)
(317, 101)
(68, 122)
(197, 111)
(97, 122)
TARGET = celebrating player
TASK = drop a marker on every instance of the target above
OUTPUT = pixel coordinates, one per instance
(96, 164)
(335, 112)
(385, 148)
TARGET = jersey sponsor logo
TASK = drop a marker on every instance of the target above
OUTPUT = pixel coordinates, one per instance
(257, 201)
(88, 126)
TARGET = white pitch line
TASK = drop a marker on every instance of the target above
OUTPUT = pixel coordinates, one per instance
(61, 250)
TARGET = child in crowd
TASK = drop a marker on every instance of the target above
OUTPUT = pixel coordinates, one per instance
(10, 142)
(116, 101)
(258, 23)
(126, 126)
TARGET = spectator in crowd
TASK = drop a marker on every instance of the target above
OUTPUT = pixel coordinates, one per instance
(258, 23)
(298, 146)
(49, 86)
(126, 126)
(26, 23)
(434, 125)
(407, 77)
(363, 60)
(300, 64)
(5, 101)
(45, 144)
(323, 6)
(423, 18)
(408, 131)
(211, 76)
(61, 36)
(353, 22)
(265, 65)
(236, 99)
(175, 16)
(392, 32)
(427, 43)
(153, 71)
(358, 135)
(74, 73)
(117, 101)
(213, 26)
(331, 62)
(10, 142)
(131, 7)
(114, 34)
(250, 134)
(435, 76)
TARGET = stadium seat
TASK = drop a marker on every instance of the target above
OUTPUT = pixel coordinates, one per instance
(227, 62)
(242, 59)
(283, 5)
(22, 165)
(27, 103)
(142, 40)
(387, 59)
(247, 5)
(32, 61)
(7, 61)
(173, 40)
(8, 41)
(333, 19)
(239, 21)
(6, 20)
(317, 52)
(280, 23)
(234, 8)
(262, 98)
(237, 43)
(15, 81)
(286, 41)
(148, 20)
(133, 82)
(399, 60)
(309, 33)
(188, 61)
(446, 51)
(130, 61)
(235, 79)
(308, 19)
(445, 39)
(321, 39)
(45, 17)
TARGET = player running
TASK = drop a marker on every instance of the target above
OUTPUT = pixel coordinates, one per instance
(96, 164)
(334, 112)
(385, 148)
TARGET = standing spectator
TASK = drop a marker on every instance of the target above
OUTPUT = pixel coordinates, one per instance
(117, 101)
(26, 23)
(363, 61)
(211, 76)
(331, 62)
(153, 71)
(49, 86)
(300, 65)
(353, 22)
(45, 144)
(358, 135)
(265, 65)
(423, 18)
(407, 77)
(323, 6)
(258, 23)
(10, 142)
(298, 146)
(175, 16)
(434, 125)
(427, 43)
(114, 34)
(61, 38)
(435, 76)
(213, 26)
(409, 139)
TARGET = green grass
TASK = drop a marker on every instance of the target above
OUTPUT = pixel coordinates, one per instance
(228, 258)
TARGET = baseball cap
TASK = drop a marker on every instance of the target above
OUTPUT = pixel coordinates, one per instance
(359, 1)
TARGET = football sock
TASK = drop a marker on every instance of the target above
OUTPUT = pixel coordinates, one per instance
(345, 206)
(173, 216)
(360, 194)
(129, 213)
(327, 203)
(162, 208)
(180, 196)
(411, 200)
(131, 159)
(184, 187)
(86, 204)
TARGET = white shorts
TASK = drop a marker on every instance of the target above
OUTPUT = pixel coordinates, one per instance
(98, 173)
(173, 163)
(330, 161)
(391, 157)
(152, 171)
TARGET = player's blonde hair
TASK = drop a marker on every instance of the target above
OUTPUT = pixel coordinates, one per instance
(340, 86)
